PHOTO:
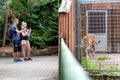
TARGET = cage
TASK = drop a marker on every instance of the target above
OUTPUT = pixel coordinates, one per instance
(102, 18)
(98, 17)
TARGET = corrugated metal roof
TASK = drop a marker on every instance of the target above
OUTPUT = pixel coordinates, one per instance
(65, 6)
(97, 1)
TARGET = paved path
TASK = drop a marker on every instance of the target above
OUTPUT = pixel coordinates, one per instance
(40, 68)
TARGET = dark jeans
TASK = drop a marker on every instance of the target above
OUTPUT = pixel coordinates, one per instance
(17, 46)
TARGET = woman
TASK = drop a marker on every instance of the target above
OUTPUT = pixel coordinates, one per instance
(25, 42)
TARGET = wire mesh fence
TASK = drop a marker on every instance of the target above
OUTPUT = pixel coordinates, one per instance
(102, 18)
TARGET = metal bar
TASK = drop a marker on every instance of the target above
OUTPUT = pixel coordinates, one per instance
(78, 38)
(70, 68)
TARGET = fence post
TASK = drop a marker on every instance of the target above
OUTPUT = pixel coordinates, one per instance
(70, 67)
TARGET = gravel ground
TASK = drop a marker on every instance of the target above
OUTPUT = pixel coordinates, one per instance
(40, 68)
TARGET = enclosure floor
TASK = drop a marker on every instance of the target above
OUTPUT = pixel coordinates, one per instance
(40, 68)
(113, 61)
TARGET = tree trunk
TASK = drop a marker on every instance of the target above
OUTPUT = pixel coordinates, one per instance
(5, 26)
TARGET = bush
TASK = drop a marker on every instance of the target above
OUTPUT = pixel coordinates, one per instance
(103, 58)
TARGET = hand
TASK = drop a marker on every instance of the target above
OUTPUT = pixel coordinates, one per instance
(20, 31)
(30, 29)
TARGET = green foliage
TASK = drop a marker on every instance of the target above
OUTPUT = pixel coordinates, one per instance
(41, 2)
(2, 12)
(37, 41)
(113, 67)
(47, 25)
(41, 16)
(89, 66)
(111, 73)
(103, 58)
(50, 21)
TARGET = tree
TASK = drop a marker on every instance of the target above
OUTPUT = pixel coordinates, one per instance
(5, 25)
(4, 4)
(47, 35)
(41, 16)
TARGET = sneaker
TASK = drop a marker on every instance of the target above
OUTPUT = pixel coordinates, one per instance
(25, 59)
(16, 60)
(19, 59)
(29, 59)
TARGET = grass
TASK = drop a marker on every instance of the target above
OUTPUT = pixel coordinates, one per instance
(89, 66)
(111, 73)
(93, 66)
(104, 58)
(107, 73)
(113, 67)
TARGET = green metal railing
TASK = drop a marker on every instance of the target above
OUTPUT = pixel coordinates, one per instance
(70, 69)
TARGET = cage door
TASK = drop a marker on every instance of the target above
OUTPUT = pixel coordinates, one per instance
(97, 24)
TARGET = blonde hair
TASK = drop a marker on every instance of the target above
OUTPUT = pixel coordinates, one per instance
(23, 25)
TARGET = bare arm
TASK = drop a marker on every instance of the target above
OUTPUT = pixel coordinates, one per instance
(26, 33)
(29, 32)
(19, 31)
(23, 34)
